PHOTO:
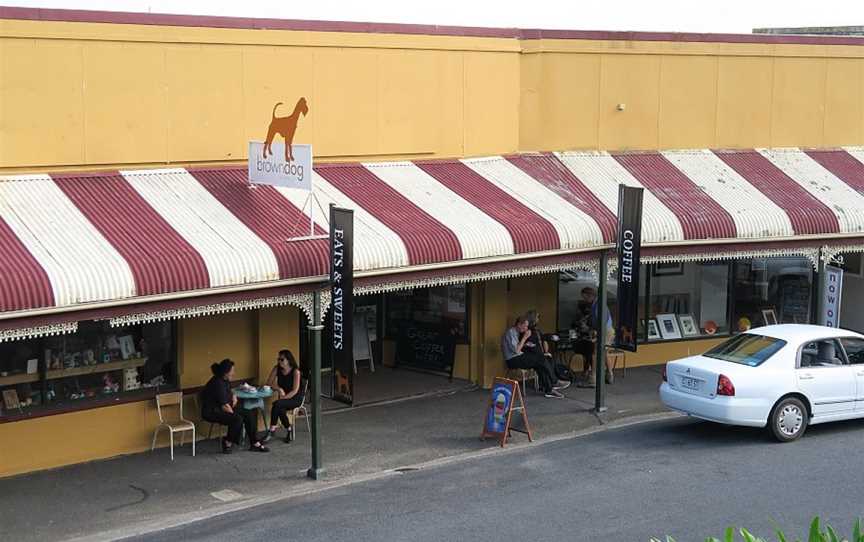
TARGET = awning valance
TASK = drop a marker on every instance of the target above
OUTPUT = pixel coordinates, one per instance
(115, 237)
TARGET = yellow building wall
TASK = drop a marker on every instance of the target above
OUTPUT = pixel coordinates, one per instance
(210, 339)
(90, 96)
(54, 441)
(278, 328)
(689, 95)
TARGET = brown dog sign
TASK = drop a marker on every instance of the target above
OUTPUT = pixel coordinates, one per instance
(282, 163)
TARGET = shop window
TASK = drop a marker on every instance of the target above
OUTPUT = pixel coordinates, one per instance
(771, 290)
(97, 365)
(852, 264)
(686, 300)
(426, 323)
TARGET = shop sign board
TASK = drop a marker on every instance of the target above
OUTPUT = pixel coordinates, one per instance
(628, 244)
(831, 294)
(505, 398)
(342, 301)
(282, 163)
(277, 169)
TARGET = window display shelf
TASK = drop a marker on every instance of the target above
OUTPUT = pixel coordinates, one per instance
(98, 368)
(12, 380)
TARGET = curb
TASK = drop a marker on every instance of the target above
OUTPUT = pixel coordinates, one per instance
(312, 488)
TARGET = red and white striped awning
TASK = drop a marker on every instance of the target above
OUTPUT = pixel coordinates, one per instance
(85, 240)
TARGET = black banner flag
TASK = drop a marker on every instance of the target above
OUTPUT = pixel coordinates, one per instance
(629, 243)
(342, 301)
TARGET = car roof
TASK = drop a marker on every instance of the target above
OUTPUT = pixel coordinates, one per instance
(803, 332)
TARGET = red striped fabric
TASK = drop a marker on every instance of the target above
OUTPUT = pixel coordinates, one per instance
(807, 214)
(530, 232)
(426, 239)
(843, 165)
(551, 173)
(272, 218)
(24, 284)
(161, 260)
(701, 217)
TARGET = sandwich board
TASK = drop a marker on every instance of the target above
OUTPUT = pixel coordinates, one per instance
(505, 398)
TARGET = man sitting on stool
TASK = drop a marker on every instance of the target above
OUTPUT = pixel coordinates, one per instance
(512, 345)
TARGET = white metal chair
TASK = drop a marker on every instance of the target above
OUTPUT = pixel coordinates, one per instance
(180, 425)
(305, 410)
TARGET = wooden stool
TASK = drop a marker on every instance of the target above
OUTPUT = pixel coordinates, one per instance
(613, 356)
(570, 363)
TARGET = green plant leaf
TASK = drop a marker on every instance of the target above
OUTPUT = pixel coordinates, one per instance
(856, 532)
(778, 531)
(729, 535)
(815, 534)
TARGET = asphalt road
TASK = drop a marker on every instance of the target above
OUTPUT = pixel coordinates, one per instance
(681, 477)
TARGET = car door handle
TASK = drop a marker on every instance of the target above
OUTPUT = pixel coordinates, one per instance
(805, 377)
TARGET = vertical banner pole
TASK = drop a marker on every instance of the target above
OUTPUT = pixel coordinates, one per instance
(316, 472)
(602, 316)
(342, 304)
(629, 241)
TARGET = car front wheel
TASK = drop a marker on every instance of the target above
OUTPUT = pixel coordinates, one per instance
(789, 419)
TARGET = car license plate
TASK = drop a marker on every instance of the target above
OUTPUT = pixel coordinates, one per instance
(690, 383)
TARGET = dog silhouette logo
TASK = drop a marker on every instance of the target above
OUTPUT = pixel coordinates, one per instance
(286, 127)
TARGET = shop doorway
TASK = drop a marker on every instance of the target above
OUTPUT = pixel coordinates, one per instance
(404, 346)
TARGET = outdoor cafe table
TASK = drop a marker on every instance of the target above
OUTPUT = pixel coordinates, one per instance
(253, 399)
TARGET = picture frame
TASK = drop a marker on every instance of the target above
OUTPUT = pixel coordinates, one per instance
(10, 400)
(653, 330)
(668, 324)
(688, 325)
(769, 317)
(127, 346)
(665, 269)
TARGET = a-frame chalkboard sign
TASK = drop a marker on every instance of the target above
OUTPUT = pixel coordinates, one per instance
(504, 399)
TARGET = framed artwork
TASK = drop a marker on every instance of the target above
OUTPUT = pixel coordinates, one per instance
(653, 329)
(127, 346)
(667, 268)
(688, 325)
(669, 326)
(769, 317)
(10, 400)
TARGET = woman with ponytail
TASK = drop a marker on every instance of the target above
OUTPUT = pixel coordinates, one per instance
(219, 405)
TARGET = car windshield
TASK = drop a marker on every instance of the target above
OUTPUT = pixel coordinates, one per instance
(746, 349)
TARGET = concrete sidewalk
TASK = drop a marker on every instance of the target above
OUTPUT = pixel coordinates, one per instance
(132, 494)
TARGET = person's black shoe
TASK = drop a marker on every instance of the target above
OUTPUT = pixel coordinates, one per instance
(226, 449)
(259, 448)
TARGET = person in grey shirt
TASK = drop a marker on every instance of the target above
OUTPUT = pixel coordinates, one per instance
(512, 344)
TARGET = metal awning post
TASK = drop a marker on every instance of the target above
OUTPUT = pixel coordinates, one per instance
(820, 289)
(602, 317)
(316, 471)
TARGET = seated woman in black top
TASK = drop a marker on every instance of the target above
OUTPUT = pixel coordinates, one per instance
(219, 405)
(286, 381)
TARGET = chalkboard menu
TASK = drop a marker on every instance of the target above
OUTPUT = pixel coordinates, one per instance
(425, 346)
(795, 300)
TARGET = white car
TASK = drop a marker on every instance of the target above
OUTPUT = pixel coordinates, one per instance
(784, 376)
